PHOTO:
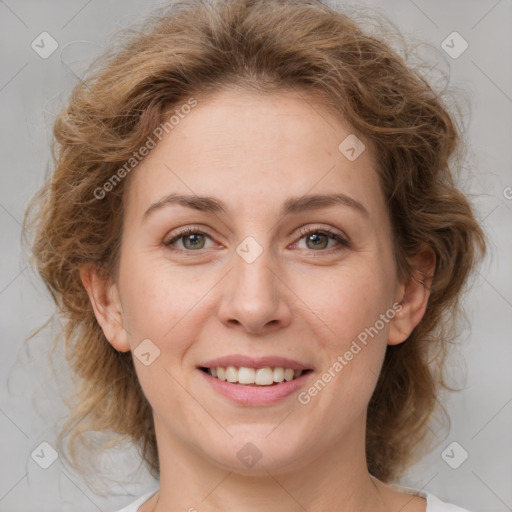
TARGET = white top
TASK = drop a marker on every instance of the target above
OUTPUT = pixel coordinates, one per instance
(433, 504)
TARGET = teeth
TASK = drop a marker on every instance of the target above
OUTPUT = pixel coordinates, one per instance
(231, 374)
(259, 376)
(278, 374)
(246, 375)
(264, 376)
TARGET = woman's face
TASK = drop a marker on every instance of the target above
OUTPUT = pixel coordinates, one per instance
(251, 240)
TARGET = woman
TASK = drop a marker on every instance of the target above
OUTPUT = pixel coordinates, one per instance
(254, 236)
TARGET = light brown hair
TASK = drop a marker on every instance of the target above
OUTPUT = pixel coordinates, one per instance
(195, 48)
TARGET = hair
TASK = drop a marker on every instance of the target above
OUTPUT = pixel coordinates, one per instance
(195, 48)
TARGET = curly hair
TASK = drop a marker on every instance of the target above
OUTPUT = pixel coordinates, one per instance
(196, 47)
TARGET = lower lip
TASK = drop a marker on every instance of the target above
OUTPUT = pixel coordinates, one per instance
(255, 395)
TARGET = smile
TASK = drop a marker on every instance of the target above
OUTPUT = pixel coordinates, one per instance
(266, 376)
(250, 394)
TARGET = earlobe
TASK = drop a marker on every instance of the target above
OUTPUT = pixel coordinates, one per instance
(106, 305)
(413, 296)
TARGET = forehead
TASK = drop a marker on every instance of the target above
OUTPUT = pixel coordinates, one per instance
(253, 148)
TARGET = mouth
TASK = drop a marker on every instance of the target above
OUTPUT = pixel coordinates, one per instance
(255, 377)
(255, 381)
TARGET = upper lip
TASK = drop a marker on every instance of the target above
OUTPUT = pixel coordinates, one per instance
(239, 360)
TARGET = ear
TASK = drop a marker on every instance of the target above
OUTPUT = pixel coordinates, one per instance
(413, 296)
(104, 298)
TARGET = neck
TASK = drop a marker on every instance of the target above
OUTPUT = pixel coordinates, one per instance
(335, 480)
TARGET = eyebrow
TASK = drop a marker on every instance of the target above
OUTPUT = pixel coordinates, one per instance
(292, 205)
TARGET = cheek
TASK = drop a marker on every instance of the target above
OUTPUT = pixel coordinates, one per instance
(159, 305)
(347, 300)
(355, 308)
(157, 301)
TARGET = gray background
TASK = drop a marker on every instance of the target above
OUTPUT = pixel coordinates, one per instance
(32, 89)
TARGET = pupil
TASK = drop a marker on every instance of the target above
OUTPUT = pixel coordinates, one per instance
(316, 239)
(193, 243)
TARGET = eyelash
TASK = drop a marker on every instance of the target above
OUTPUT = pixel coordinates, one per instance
(343, 243)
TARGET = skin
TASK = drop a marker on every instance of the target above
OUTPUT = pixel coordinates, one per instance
(297, 299)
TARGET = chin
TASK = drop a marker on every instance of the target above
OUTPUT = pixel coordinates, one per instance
(256, 452)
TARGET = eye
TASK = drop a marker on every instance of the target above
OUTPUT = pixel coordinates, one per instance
(318, 239)
(192, 239)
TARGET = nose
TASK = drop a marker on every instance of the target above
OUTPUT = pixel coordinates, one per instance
(255, 297)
